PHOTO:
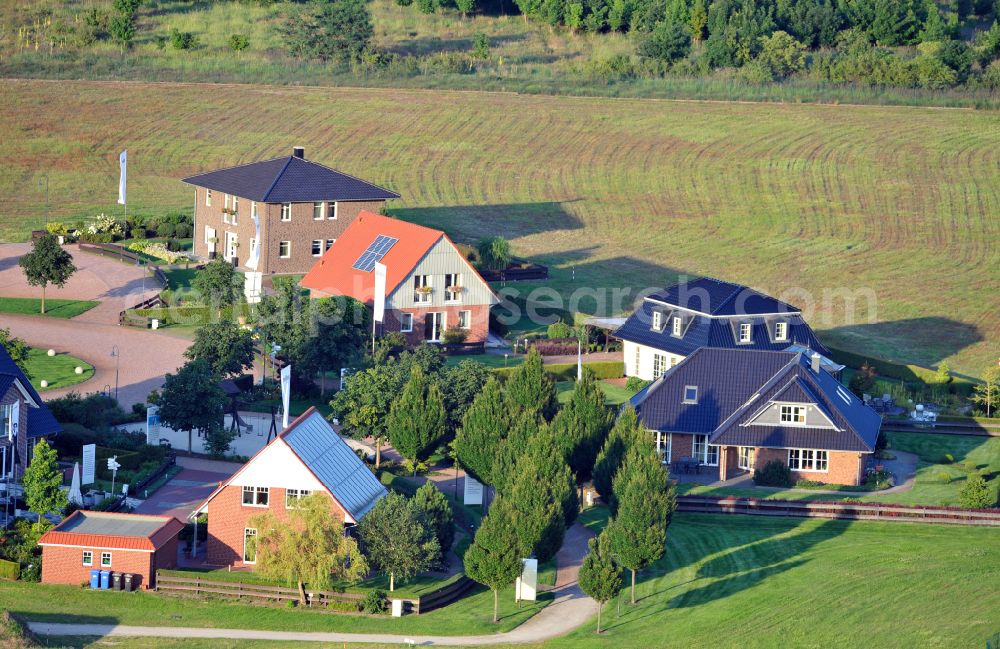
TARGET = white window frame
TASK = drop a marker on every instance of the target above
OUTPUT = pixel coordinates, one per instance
(209, 234)
(664, 448)
(208, 198)
(792, 414)
(638, 360)
(743, 457)
(288, 250)
(253, 209)
(420, 281)
(322, 210)
(7, 420)
(405, 318)
(286, 212)
(225, 201)
(255, 493)
(442, 318)
(657, 320)
(317, 244)
(331, 210)
(456, 279)
(249, 531)
(708, 454)
(293, 495)
(329, 244)
(687, 398)
(659, 365)
(781, 331)
(676, 326)
(236, 209)
(88, 557)
(806, 460)
(467, 316)
(744, 326)
(106, 559)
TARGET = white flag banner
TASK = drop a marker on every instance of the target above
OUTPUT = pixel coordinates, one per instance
(379, 292)
(286, 393)
(122, 161)
(89, 463)
(255, 245)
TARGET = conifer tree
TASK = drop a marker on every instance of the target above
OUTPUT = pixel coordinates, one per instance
(494, 558)
(624, 434)
(600, 577)
(581, 426)
(522, 430)
(417, 418)
(437, 512)
(483, 430)
(42, 481)
(637, 533)
(531, 389)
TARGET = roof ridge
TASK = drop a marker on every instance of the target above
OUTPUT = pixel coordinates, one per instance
(243, 164)
(277, 177)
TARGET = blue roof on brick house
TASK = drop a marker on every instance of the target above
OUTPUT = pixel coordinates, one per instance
(711, 312)
(40, 419)
(734, 387)
(290, 179)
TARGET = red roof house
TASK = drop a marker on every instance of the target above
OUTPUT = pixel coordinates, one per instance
(126, 543)
(430, 286)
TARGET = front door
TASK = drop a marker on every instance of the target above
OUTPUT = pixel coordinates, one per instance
(434, 324)
(747, 457)
(230, 245)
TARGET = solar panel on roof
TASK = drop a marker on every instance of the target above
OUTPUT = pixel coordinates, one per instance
(375, 252)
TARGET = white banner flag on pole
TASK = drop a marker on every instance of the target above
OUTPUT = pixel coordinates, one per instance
(122, 160)
(255, 245)
(286, 393)
(89, 463)
(379, 292)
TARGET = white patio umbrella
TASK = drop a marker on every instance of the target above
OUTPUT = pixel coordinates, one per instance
(75, 496)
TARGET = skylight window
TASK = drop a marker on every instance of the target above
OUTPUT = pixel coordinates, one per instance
(690, 394)
(375, 252)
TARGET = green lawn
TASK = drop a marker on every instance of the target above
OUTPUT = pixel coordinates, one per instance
(179, 278)
(489, 360)
(53, 308)
(614, 395)
(58, 370)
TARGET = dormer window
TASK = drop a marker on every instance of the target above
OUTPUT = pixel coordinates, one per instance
(745, 332)
(781, 331)
(657, 320)
(690, 394)
(676, 326)
(793, 414)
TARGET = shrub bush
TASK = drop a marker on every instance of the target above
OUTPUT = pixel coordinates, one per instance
(634, 384)
(374, 602)
(947, 458)
(774, 474)
(558, 330)
(9, 569)
(879, 480)
(95, 411)
(976, 493)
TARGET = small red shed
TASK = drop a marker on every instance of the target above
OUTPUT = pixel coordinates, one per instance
(134, 544)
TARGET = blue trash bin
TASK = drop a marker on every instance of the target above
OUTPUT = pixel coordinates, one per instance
(95, 579)
(105, 579)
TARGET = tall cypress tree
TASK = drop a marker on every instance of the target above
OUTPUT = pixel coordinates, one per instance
(637, 533)
(623, 436)
(600, 577)
(581, 426)
(483, 430)
(531, 389)
(541, 523)
(523, 429)
(417, 418)
(494, 558)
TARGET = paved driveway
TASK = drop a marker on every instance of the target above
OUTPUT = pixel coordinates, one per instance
(145, 355)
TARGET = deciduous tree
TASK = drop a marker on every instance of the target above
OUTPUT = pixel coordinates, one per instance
(397, 539)
(600, 576)
(225, 346)
(42, 481)
(987, 393)
(47, 263)
(192, 400)
(460, 385)
(309, 547)
(337, 336)
(219, 284)
(17, 349)
(338, 30)
(436, 510)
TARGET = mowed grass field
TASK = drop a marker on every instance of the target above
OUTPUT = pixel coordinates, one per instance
(881, 223)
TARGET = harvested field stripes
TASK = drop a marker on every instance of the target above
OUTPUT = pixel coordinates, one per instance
(838, 510)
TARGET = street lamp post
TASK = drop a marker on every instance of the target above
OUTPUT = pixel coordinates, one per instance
(116, 354)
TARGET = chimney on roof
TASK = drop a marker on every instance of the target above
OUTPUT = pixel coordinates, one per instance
(299, 152)
(815, 362)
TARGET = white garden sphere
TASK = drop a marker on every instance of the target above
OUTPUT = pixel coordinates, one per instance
(52, 352)
(78, 370)
(45, 383)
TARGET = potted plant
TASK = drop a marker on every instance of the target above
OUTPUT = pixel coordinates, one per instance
(425, 290)
(213, 241)
(453, 290)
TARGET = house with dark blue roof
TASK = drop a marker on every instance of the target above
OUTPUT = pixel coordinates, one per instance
(24, 419)
(279, 215)
(673, 323)
(737, 409)
(307, 458)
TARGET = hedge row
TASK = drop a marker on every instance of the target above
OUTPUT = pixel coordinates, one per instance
(567, 371)
(899, 371)
(9, 569)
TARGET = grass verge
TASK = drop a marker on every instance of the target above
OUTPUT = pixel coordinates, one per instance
(58, 370)
(54, 308)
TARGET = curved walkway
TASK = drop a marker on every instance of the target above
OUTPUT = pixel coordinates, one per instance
(145, 355)
(569, 610)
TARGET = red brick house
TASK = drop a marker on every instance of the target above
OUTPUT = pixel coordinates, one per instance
(277, 216)
(307, 458)
(430, 286)
(735, 410)
(126, 543)
(24, 419)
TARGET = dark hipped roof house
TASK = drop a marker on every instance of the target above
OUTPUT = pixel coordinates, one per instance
(737, 409)
(24, 418)
(278, 215)
(673, 323)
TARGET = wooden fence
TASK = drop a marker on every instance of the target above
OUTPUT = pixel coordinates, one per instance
(516, 274)
(838, 510)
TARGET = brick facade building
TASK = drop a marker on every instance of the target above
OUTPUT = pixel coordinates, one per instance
(307, 458)
(286, 212)
(736, 410)
(124, 543)
(24, 419)
(430, 287)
